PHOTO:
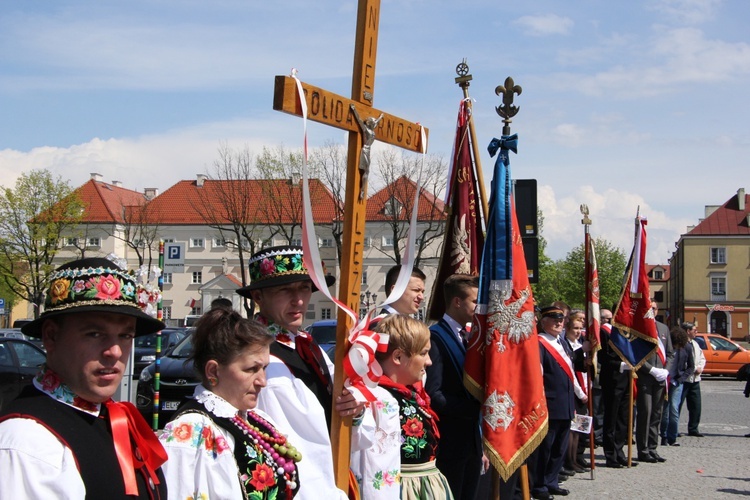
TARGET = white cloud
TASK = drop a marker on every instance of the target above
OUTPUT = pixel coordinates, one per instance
(687, 11)
(549, 24)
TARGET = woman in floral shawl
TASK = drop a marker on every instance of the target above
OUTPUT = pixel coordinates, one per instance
(219, 446)
(404, 366)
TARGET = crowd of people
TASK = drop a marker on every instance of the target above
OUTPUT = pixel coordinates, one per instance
(259, 423)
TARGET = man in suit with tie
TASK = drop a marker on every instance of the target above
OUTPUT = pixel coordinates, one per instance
(557, 368)
(459, 455)
(651, 384)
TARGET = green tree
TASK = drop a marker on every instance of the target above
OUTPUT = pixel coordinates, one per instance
(610, 263)
(546, 289)
(34, 216)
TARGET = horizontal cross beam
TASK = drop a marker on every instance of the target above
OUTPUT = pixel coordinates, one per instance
(334, 110)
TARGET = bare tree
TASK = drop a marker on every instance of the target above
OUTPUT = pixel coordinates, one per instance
(282, 191)
(34, 216)
(330, 164)
(399, 172)
(226, 205)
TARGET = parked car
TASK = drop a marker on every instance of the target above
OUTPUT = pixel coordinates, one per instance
(177, 381)
(145, 346)
(723, 356)
(16, 333)
(324, 333)
(19, 363)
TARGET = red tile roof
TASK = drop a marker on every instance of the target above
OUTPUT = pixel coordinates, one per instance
(105, 202)
(430, 207)
(186, 202)
(725, 221)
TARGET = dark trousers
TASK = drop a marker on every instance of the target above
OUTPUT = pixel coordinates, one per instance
(550, 456)
(691, 391)
(615, 401)
(462, 473)
(649, 404)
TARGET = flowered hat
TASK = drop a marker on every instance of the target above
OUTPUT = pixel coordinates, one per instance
(276, 266)
(93, 285)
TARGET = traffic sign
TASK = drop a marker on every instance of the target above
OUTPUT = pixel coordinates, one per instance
(174, 257)
(2, 307)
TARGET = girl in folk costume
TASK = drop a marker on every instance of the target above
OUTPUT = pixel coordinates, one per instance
(406, 434)
(219, 445)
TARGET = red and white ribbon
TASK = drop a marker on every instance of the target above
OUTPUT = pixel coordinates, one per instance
(362, 369)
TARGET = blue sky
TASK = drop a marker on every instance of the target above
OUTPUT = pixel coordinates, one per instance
(624, 104)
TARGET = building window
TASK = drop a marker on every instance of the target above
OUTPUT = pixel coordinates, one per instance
(167, 278)
(659, 296)
(71, 242)
(368, 241)
(195, 311)
(168, 240)
(325, 313)
(387, 241)
(139, 243)
(326, 242)
(719, 287)
(197, 277)
(196, 243)
(297, 242)
(166, 312)
(219, 243)
(364, 278)
(94, 242)
(718, 255)
(392, 207)
(658, 275)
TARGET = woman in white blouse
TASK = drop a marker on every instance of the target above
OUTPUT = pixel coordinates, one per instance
(219, 446)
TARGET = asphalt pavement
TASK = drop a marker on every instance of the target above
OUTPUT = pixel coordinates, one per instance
(714, 466)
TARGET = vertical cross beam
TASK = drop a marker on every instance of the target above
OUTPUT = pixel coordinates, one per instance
(337, 111)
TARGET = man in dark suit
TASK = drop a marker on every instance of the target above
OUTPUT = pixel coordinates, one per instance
(651, 384)
(614, 378)
(459, 455)
(558, 376)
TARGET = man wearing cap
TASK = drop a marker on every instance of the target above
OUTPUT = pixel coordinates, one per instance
(557, 368)
(298, 395)
(64, 437)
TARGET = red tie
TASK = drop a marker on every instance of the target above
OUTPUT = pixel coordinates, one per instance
(127, 423)
(310, 354)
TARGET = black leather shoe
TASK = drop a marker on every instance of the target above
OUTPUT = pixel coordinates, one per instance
(613, 465)
(567, 472)
(541, 496)
(624, 462)
(696, 434)
(664, 441)
(658, 457)
(558, 491)
(647, 458)
(582, 462)
(561, 478)
(674, 443)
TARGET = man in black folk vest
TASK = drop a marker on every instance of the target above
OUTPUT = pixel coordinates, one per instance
(298, 395)
(64, 437)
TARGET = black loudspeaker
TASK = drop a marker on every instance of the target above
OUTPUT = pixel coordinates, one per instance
(524, 192)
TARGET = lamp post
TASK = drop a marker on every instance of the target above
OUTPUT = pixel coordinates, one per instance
(364, 300)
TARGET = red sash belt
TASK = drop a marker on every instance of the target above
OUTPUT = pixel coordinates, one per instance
(563, 362)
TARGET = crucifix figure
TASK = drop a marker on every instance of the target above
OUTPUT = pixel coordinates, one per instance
(337, 111)
(367, 128)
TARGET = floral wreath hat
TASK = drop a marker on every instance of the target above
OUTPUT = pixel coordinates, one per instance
(95, 285)
(276, 266)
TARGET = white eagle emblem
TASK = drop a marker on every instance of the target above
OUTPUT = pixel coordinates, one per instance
(498, 410)
(503, 318)
(460, 252)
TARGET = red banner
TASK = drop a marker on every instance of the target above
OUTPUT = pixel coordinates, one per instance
(502, 368)
(464, 239)
(592, 300)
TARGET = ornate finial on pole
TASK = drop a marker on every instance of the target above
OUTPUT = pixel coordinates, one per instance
(507, 110)
(585, 212)
(463, 79)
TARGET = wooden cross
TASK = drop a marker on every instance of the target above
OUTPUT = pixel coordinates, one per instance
(337, 111)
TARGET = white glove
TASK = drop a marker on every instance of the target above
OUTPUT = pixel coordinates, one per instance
(624, 367)
(660, 374)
